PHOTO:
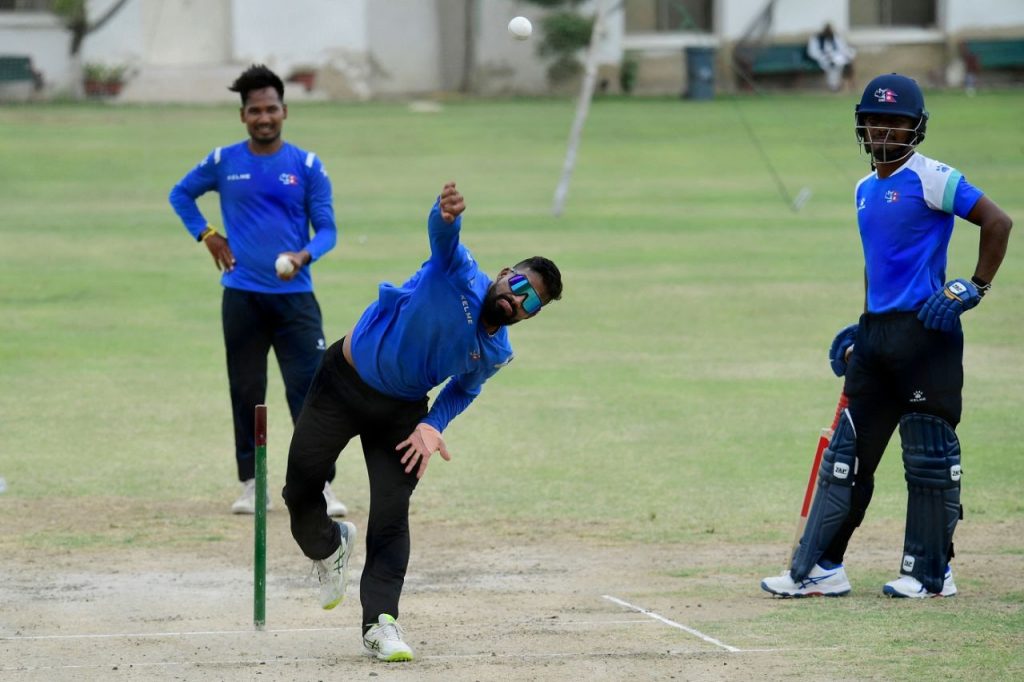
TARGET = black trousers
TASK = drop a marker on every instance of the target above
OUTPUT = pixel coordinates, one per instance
(254, 323)
(339, 406)
(898, 367)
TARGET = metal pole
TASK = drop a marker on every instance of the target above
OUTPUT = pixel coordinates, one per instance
(582, 108)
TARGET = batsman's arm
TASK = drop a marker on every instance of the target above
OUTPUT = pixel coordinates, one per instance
(995, 227)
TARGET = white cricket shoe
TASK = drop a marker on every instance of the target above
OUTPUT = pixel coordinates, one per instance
(908, 587)
(246, 502)
(384, 641)
(335, 507)
(333, 571)
(820, 582)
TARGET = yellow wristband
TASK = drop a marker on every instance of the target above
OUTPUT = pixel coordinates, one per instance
(207, 233)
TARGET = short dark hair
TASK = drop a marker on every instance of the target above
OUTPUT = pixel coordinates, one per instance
(257, 77)
(548, 272)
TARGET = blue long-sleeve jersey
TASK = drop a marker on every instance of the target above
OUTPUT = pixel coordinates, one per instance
(267, 204)
(417, 335)
(906, 221)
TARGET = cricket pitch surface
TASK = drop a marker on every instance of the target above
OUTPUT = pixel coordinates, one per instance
(480, 603)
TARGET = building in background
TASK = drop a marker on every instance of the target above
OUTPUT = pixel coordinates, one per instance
(189, 50)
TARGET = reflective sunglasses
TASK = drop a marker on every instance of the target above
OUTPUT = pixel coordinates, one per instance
(520, 285)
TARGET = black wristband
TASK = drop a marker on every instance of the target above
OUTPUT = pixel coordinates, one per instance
(982, 285)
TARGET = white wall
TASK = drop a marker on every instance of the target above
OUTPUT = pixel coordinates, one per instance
(122, 39)
(391, 47)
(207, 23)
(505, 65)
(790, 16)
(404, 37)
(41, 37)
(964, 15)
(297, 33)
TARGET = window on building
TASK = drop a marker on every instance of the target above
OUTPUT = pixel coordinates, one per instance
(875, 13)
(667, 16)
(26, 5)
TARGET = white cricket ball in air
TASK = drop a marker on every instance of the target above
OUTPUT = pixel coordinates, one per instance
(520, 27)
(284, 265)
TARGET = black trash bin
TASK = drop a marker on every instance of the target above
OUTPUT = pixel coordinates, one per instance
(700, 72)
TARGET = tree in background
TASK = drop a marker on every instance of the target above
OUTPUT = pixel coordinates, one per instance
(74, 15)
(566, 32)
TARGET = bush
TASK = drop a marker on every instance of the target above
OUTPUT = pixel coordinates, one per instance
(565, 34)
(628, 71)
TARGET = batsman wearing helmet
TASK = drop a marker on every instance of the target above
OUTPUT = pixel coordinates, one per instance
(903, 360)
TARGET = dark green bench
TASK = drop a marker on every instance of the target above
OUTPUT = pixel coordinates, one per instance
(780, 59)
(15, 68)
(993, 53)
(18, 80)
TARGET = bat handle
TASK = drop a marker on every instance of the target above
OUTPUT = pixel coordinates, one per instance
(843, 403)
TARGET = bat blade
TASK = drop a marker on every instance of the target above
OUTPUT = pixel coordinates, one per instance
(812, 488)
(809, 493)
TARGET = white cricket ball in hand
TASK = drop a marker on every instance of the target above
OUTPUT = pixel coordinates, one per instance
(520, 27)
(284, 265)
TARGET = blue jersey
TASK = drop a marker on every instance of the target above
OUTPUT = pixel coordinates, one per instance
(267, 204)
(417, 335)
(906, 221)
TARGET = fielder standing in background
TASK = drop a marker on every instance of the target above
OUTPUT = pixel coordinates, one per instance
(903, 361)
(271, 192)
(447, 323)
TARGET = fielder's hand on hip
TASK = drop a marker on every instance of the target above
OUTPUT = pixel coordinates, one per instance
(423, 442)
(452, 203)
(942, 310)
(223, 258)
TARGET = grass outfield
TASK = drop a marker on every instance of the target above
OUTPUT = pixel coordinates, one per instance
(674, 395)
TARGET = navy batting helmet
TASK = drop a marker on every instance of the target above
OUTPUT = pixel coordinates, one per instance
(893, 95)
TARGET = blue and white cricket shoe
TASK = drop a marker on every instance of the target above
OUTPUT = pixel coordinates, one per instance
(820, 582)
(911, 588)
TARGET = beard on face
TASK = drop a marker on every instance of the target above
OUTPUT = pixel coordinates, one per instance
(492, 313)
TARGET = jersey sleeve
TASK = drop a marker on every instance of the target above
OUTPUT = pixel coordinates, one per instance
(455, 397)
(964, 197)
(444, 239)
(320, 208)
(947, 190)
(196, 183)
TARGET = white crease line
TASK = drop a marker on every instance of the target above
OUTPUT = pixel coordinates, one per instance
(666, 621)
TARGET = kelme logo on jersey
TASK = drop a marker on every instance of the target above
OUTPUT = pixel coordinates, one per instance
(886, 95)
(465, 309)
(288, 179)
(892, 196)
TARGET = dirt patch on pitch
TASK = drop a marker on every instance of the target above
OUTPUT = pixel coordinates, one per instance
(174, 600)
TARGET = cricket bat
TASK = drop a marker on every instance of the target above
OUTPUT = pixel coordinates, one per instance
(812, 480)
